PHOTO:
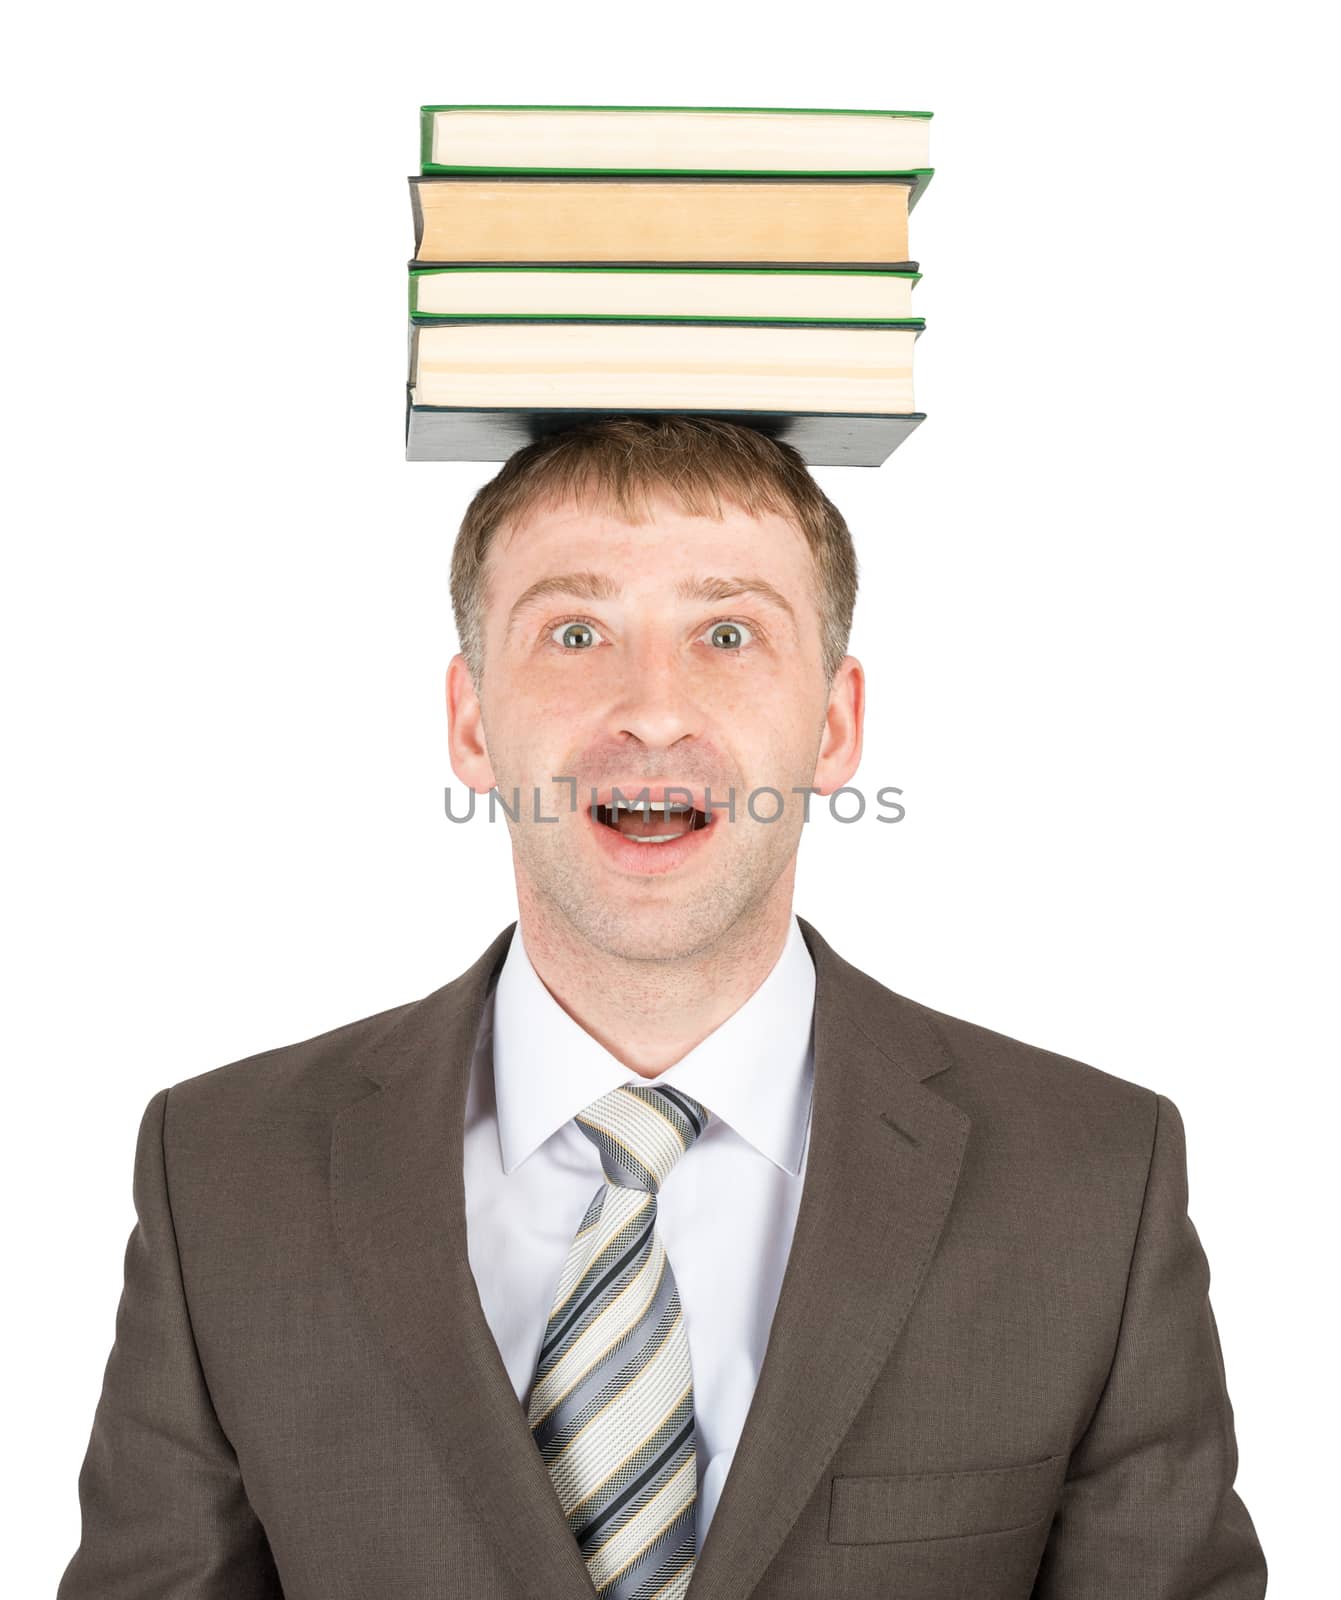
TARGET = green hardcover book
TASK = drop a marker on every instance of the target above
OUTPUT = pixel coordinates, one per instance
(667, 140)
(804, 297)
(480, 384)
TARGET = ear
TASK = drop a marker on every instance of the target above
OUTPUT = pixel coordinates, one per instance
(465, 729)
(840, 745)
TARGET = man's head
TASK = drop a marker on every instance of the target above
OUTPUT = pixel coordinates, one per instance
(652, 603)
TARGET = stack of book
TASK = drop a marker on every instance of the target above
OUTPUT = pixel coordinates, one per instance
(576, 262)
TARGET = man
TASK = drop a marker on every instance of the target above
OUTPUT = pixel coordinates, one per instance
(662, 1250)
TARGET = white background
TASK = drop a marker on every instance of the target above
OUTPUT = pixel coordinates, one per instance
(1096, 595)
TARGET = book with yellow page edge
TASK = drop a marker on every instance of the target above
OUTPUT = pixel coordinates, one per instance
(791, 313)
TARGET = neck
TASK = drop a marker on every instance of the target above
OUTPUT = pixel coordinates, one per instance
(650, 1014)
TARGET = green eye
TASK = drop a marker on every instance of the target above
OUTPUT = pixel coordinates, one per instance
(729, 635)
(575, 635)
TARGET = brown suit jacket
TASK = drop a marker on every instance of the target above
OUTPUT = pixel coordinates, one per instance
(993, 1371)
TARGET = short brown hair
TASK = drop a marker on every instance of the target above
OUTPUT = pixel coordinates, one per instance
(619, 461)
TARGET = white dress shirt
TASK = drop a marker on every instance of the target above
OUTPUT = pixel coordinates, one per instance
(725, 1214)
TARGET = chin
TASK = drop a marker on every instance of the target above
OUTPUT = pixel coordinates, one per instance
(653, 926)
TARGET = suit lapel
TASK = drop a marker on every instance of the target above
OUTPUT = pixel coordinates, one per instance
(881, 1172)
(398, 1194)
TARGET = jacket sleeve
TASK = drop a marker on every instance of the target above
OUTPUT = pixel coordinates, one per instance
(1149, 1506)
(163, 1509)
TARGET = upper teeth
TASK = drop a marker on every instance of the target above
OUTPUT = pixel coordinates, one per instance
(648, 806)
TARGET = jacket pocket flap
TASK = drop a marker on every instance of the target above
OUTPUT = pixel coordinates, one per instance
(943, 1505)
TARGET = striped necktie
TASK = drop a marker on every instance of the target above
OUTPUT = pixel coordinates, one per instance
(612, 1403)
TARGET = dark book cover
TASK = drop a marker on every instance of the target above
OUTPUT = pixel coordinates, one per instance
(823, 439)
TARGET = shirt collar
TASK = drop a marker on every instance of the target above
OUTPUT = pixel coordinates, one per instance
(755, 1070)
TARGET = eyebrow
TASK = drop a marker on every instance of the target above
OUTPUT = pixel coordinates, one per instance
(596, 586)
(728, 588)
(584, 585)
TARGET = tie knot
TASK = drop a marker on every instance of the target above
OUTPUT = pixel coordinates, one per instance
(642, 1132)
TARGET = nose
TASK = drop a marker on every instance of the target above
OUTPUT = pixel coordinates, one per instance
(654, 702)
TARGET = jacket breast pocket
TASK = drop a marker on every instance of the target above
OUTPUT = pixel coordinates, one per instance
(908, 1506)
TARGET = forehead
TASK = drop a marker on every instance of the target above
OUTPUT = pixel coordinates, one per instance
(597, 534)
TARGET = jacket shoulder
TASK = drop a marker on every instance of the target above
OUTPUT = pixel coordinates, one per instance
(311, 1078)
(308, 1075)
(965, 1059)
(1050, 1098)
(1003, 1082)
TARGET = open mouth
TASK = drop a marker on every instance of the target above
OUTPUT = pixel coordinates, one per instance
(651, 822)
